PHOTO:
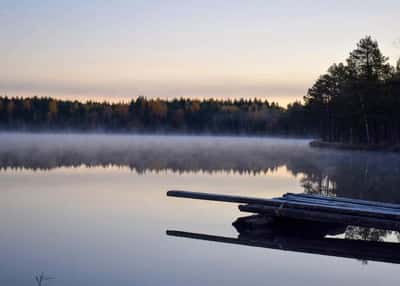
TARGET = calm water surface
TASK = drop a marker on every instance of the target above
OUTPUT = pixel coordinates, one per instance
(92, 210)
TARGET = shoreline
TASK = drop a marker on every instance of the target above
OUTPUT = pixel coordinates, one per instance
(354, 147)
(154, 133)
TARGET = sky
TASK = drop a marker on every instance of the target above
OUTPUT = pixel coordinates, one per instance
(118, 50)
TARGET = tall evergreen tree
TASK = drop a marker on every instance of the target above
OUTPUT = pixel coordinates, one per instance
(355, 102)
(367, 61)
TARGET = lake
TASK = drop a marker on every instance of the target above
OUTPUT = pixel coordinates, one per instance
(92, 209)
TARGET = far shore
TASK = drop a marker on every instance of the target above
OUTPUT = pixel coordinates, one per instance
(359, 147)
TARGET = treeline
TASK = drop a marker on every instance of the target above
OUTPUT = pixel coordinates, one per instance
(358, 101)
(146, 115)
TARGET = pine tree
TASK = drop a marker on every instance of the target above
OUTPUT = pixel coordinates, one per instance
(367, 61)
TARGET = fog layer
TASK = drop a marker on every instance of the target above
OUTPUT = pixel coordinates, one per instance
(369, 175)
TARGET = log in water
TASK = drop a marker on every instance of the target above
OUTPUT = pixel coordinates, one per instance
(312, 208)
(320, 216)
(341, 200)
(285, 203)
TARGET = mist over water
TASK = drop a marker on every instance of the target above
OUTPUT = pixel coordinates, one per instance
(368, 175)
(151, 152)
(91, 209)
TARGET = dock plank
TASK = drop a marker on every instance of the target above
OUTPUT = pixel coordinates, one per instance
(365, 205)
(345, 200)
(322, 216)
(284, 203)
(311, 208)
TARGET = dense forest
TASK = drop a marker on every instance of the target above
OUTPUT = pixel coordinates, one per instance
(355, 102)
(146, 115)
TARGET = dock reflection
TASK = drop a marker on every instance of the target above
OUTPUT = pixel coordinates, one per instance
(356, 243)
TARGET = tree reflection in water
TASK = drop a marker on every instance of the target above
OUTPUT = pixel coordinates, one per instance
(362, 175)
(368, 234)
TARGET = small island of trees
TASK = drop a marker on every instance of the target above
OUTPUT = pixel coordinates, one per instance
(356, 103)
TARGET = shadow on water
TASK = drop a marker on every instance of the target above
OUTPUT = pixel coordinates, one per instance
(364, 244)
(363, 175)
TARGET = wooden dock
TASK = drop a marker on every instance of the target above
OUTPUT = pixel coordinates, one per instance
(312, 208)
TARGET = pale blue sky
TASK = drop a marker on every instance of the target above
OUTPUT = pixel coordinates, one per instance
(120, 49)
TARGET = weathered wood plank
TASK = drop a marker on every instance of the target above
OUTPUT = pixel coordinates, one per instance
(322, 216)
(215, 197)
(338, 203)
(345, 200)
(283, 203)
(334, 209)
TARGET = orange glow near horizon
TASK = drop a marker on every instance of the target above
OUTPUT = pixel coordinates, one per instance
(175, 49)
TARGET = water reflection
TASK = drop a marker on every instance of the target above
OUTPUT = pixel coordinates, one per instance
(365, 175)
(364, 244)
(105, 226)
(370, 234)
(148, 153)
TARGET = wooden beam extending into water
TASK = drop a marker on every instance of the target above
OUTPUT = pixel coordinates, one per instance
(340, 201)
(282, 203)
(216, 197)
(322, 216)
